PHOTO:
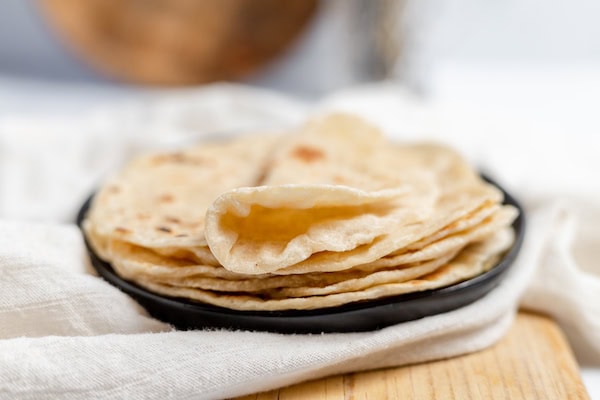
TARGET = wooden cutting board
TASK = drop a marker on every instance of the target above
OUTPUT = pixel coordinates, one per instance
(533, 361)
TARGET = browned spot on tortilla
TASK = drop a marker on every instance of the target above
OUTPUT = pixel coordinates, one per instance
(182, 235)
(264, 171)
(166, 198)
(168, 158)
(142, 216)
(173, 220)
(307, 154)
(113, 189)
(181, 158)
(339, 179)
(197, 160)
(164, 229)
(122, 230)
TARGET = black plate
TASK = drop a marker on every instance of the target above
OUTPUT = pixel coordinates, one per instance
(354, 317)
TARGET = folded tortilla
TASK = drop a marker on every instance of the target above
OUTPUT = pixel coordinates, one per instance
(338, 212)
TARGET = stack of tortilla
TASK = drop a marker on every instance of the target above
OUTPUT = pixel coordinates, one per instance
(329, 214)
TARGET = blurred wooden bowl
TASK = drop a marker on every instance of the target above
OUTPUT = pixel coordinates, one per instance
(178, 42)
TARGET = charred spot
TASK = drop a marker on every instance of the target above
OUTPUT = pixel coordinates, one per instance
(120, 229)
(166, 198)
(164, 229)
(181, 235)
(307, 154)
(113, 189)
(173, 220)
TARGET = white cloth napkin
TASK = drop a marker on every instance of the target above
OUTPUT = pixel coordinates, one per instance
(65, 333)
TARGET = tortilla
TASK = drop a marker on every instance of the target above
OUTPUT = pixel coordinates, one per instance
(474, 260)
(160, 200)
(312, 284)
(133, 261)
(263, 229)
(329, 214)
(329, 155)
(502, 218)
